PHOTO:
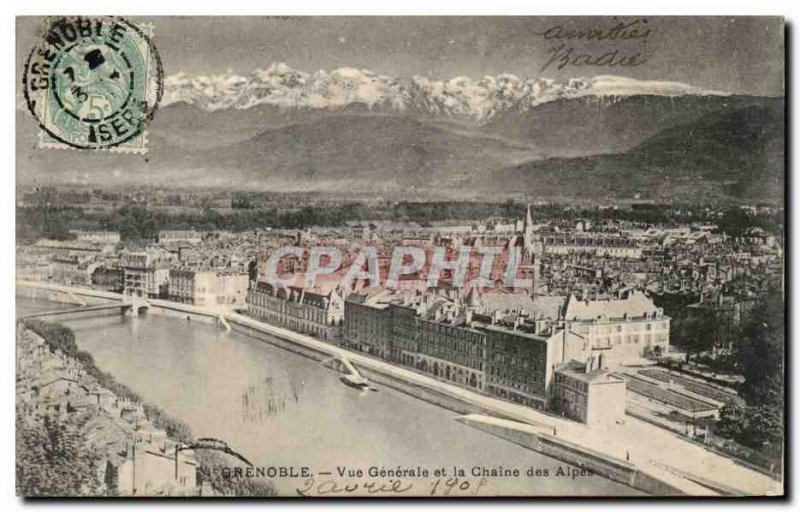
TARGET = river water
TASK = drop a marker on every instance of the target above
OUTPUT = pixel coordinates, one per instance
(280, 409)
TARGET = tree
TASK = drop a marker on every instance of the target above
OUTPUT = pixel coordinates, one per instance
(135, 223)
(252, 270)
(760, 352)
(54, 459)
(241, 201)
(697, 333)
(759, 355)
(732, 420)
(765, 426)
(735, 222)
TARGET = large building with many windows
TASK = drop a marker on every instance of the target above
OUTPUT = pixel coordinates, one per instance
(455, 337)
(520, 361)
(307, 311)
(614, 246)
(370, 328)
(208, 287)
(188, 236)
(108, 278)
(146, 274)
(97, 237)
(623, 329)
(507, 345)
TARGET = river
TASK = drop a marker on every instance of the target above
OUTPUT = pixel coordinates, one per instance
(280, 409)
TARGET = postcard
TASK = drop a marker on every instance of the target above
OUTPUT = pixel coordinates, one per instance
(380, 256)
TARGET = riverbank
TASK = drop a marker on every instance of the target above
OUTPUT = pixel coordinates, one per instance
(649, 449)
(95, 430)
(108, 440)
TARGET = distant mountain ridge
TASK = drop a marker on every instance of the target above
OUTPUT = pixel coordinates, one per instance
(582, 143)
(283, 86)
(726, 154)
(586, 125)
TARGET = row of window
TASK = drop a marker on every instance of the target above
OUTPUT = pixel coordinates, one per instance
(566, 381)
(306, 313)
(455, 332)
(609, 329)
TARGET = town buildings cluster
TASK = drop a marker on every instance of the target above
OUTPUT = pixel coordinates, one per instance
(509, 345)
(494, 339)
(556, 344)
(184, 266)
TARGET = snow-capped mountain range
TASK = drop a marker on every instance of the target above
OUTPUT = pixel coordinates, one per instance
(282, 86)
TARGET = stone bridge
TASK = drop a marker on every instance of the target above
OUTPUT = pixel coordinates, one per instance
(135, 305)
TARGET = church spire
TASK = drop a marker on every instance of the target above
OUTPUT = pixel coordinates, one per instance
(528, 238)
(528, 221)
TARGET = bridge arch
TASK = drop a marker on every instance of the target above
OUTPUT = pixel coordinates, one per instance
(137, 305)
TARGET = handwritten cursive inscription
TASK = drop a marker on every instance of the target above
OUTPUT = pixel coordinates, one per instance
(332, 487)
(434, 487)
(633, 30)
(620, 54)
(563, 56)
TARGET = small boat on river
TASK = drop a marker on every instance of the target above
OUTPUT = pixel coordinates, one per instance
(355, 381)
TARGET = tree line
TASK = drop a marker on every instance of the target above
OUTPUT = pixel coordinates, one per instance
(135, 222)
(759, 354)
(754, 349)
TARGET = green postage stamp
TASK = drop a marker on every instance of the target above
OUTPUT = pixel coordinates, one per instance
(93, 83)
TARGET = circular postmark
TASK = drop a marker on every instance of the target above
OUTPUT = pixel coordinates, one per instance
(93, 83)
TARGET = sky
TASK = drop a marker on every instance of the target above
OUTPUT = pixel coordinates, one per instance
(739, 55)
